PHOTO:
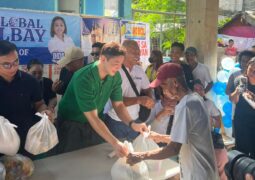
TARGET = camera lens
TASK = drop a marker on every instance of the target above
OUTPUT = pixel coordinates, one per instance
(243, 166)
(239, 165)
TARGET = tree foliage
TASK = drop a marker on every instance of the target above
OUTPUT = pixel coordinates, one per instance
(172, 25)
(224, 21)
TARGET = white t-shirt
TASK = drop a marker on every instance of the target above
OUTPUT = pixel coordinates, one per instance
(212, 109)
(141, 81)
(161, 125)
(202, 72)
(57, 46)
(191, 128)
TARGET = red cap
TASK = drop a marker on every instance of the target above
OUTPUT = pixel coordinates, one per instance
(167, 70)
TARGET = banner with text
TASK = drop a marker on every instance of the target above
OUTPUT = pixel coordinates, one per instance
(39, 34)
(139, 32)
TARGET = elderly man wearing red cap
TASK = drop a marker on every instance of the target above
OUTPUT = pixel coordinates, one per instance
(190, 135)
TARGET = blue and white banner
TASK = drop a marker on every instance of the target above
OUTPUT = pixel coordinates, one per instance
(40, 35)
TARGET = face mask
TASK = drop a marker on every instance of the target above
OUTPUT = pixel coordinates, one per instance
(151, 60)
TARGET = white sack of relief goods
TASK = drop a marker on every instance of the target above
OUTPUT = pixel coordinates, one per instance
(123, 171)
(141, 144)
(42, 136)
(9, 139)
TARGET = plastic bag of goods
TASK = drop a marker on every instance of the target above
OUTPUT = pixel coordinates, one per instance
(9, 139)
(42, 136)
(141, 144)
(2, 172)
(17, 167)
(123, 171)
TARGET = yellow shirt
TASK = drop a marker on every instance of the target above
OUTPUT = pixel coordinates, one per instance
(151, 73)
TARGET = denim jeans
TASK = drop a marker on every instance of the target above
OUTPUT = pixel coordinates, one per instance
(119, 129)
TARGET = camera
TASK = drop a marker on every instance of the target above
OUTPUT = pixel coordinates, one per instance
(243, 84)
(239, 165)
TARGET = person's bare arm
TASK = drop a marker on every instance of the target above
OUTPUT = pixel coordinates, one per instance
(160, 138)
(234, 97)
(41, 107)
(216, 121)
(147, 92)
(129, 101)
(52, 103)
(123, 114)
(168, 108)
(230, 85)
(99, 126)
(145, 100)
(209, 87)
(57, 87)
(141, 100)
(171, 149)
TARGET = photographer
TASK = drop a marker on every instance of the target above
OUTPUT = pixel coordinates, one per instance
(240, 166)
(244, 97)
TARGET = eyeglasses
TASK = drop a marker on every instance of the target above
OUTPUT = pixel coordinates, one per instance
(94, 54)
(7, 65)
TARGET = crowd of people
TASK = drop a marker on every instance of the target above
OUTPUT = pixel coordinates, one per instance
(102, 96)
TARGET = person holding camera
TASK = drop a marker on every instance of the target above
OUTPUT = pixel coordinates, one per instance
(243, 58)
(244, 118)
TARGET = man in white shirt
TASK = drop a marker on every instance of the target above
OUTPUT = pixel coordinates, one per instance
(130, 99)
(190, 134)
(199, 70)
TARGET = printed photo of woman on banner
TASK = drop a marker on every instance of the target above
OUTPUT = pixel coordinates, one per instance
(59, 41)
(39, 34)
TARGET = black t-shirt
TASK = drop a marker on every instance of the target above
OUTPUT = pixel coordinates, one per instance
(48, 94)
(188, 75)
(65, 76)
(17, 99)
(244, 110)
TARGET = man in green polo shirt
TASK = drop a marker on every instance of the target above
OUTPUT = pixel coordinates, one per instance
(85, 98)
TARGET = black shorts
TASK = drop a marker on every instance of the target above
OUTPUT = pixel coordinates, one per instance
(75, 135)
